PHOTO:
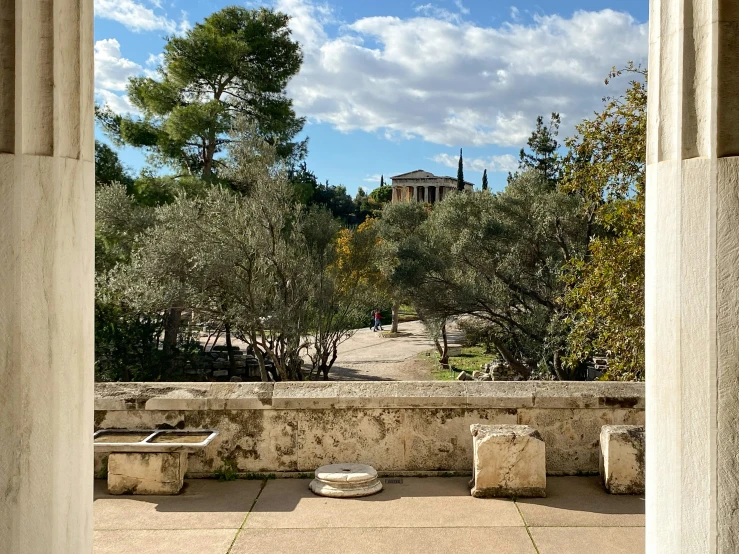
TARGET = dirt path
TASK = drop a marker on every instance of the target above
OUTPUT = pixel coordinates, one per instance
(368, 356)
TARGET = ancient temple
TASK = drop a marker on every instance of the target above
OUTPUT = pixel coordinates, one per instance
(423, 186)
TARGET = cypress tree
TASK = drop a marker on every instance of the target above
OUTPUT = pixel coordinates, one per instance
(460, 172)
(485, 180)
(382, 180)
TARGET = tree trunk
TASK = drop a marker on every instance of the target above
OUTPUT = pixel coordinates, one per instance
(443, 347)
(445, 342)
(557, 364)
(230, 352)
(326, 365)
(511, 360)
(396, 308)
(171, 330)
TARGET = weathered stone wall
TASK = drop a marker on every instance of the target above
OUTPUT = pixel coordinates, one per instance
(398, 427)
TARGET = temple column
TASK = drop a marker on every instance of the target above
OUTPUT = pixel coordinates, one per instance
(47, 224)
(692, 278)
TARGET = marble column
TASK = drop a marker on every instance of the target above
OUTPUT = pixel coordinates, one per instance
(47, 223)
(692, 278)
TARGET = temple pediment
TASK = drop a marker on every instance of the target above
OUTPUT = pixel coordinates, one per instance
(417, 174)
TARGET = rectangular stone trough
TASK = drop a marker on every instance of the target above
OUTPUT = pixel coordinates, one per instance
(149, 462)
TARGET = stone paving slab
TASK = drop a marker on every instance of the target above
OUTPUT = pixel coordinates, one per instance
(203, 504)
(587, 540)
(427, 515)
(581, 502)
(417, 502)
(164, 541)
(466, 540)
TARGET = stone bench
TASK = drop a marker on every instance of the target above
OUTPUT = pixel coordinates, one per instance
(622, 449)
(509, 461)
(149, 462)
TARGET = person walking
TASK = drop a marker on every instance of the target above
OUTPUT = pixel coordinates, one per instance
(378, 321)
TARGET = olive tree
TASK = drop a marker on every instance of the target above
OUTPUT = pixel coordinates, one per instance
(497, 257)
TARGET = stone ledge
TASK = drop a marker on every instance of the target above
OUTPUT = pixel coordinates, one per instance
(341, 394)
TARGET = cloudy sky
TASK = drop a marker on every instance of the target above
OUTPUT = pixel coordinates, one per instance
(389, 86)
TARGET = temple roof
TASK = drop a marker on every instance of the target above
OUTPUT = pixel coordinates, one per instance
(422, 174)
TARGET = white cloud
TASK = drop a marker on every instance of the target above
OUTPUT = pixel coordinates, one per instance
(308, 19)
(111, 69)
(152, 65)
(154, 61)
(184, 25)
(137, 17)
(119, 104)
(461, 7)
(112, 72)
(435, 12)
(375, 179)
(457, 83)
(494, 164)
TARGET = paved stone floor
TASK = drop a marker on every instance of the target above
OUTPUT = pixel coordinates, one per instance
(424, 515)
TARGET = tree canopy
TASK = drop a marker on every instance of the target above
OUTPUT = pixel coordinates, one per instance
(237, 62)
(606, 170)
(543, 154)
(108, 167)
(501, 264)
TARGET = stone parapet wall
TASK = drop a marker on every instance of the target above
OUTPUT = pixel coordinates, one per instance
(397, 427)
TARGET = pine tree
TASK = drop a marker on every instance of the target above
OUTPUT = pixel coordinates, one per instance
(460, 173)
(485, 180)
(543, 145)
(237, 62)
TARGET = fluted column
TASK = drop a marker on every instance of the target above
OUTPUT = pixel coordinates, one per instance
(46, 276)
(692, 278)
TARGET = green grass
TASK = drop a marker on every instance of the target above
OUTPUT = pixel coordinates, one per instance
(406, 313)
(441, 374)
(469, 359)
(229, 471)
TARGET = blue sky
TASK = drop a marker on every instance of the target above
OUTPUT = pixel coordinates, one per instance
(393, 86)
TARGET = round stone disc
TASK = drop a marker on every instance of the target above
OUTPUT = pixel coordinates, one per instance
(346, 481)
(346, 473)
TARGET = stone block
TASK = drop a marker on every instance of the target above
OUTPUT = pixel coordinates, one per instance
(622, 449)
(509, 461)
(146, 473)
